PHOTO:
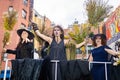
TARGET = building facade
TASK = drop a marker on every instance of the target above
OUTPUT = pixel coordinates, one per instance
(112, 28)
(44, 25)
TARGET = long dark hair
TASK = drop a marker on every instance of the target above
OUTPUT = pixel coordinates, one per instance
(103, 39)
(19, 45)
(62, 32)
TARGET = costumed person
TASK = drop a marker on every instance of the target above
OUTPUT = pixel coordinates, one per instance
(25, 67)
(44, 50)
(57, 48)
(100, 53)
(116, 59)
(25, 46)
(115, 68)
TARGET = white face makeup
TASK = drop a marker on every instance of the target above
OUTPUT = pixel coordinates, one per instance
(57, 32)
(24, 35)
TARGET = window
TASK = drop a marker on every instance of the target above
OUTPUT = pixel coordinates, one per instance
(25, 2)
(36, 15)
(24, 14)
(22, 25)
(10, 8)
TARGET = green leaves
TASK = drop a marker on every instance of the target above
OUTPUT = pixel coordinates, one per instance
(78, 35)
(97, 11)
(9, 20)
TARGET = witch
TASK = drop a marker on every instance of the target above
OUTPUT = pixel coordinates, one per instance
(25, 46)
(57, 47)
(101, 53)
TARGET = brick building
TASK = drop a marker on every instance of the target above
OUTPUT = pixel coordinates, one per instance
(42, 22)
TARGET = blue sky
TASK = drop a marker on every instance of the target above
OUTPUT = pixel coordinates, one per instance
(64, 12)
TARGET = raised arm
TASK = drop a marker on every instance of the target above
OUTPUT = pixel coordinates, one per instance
(80, 44)
(112, 52)
(44, 37)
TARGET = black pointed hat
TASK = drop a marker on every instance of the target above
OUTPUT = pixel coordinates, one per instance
(30, 34)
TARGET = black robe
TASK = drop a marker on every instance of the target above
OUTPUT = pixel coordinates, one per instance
(25, 51)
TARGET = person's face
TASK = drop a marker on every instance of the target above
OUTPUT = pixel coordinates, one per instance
(57, 32)
(98, 40)
(24, 35)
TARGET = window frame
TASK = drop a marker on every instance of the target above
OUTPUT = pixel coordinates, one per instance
(24, 14)
(10, 8)
(25, 2)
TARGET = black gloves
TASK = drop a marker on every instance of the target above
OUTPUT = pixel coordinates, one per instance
(35, 26)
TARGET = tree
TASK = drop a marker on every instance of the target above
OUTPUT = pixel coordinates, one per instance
(97, 11)
(78, 34)
(70, 50)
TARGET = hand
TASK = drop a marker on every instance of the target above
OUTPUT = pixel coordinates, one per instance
(4, 50)
(26, 40)
(34, 25)
(86, 40)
